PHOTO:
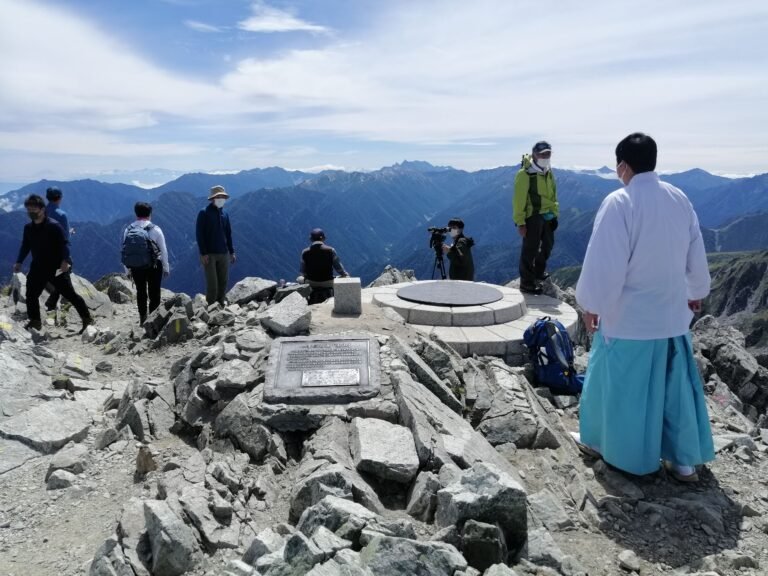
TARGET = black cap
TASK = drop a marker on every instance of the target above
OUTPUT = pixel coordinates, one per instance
(53, 193)
(542, 146)
(317, 234)
(456, 223)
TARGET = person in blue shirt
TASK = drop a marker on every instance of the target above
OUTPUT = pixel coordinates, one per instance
(54, 212)
(214, 241)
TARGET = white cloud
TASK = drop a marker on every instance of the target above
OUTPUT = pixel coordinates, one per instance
(201, 26)
(466, 83)
(265, 18)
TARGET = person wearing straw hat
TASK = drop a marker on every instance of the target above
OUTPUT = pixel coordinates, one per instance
(214, 241)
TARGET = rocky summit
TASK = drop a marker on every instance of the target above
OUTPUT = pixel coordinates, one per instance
(151, 450)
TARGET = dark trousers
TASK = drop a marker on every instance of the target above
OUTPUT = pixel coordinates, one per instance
(537, 246)
(147, 281)
(216, 278)
(320, 295)
(53, 294)
(36, 282)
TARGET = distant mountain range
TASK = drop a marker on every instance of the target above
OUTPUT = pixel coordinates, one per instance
(371, 218)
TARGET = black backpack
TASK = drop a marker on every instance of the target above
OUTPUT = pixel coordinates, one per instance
(551, 353)
(139, 250)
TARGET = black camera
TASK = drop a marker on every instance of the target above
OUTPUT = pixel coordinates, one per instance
(436, 239)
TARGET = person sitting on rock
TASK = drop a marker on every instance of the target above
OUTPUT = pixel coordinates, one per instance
(318, 262)
(45, 239)
(462, 267)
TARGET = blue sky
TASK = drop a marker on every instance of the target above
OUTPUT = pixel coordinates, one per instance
(89, 87)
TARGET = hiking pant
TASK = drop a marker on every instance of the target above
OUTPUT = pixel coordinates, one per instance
(36, 282)
(53, 294)
(319, 295)
(216, 278)
(537, 246)
(147, 281)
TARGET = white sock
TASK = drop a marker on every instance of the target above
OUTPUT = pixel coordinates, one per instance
(684, 470)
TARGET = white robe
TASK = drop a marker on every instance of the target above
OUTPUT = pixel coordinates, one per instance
(644, 261)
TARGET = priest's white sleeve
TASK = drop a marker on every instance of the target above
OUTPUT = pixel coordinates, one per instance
(697, 268)
(605, 264)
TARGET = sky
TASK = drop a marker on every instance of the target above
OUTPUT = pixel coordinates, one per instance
(91, 87)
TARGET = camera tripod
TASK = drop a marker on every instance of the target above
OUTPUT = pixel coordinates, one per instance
(439, 265)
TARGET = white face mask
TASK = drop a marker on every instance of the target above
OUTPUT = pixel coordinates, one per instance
(542, 163)
(619, 174)
(454, 232)
(219, 202)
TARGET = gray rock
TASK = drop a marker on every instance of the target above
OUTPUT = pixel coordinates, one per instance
(216, 534)
(483, 544)
(251, 289)
(479, 389)
(251, 340)
(500, 570)
(391, 276)
(547, 509)
(289, 318)
(117, 287)
(486, 494)
(629, 561)
(239, 568)
(72, 458)
(174, 547)
(156, 320)
(98, 303)
(337, 515)
(266, 542)
(392, 459)
(541, 549)
(441, 436)
(328, 543)
(77, 366)
(302, 553)
(237, 423)
(109, 560)
(422, 498)
(132, 533)
(47, 427)
(385, 555)
(425, 375)
(177, 329)
(60, 479)
(232, 377)
(145, 460)
(222, 318)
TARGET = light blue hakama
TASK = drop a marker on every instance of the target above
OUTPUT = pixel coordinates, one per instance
(643, 401)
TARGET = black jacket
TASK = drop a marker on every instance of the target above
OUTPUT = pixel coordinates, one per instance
(460, 256)
(47, 244)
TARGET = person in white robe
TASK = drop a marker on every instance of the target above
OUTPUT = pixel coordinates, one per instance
(644, 275)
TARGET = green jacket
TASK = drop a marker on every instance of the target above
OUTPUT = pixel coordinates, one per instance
(544, 198)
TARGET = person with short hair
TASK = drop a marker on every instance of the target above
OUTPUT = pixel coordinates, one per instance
(148, 279)
(535, 210)
(214, 241)
(44, 239)
(644, 276)
(318, 261)
(462, 266)
(54, 212)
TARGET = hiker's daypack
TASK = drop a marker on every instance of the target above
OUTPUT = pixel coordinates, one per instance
(551, 352)
(139, 250)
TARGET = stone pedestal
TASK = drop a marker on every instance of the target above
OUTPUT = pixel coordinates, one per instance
(347, 296)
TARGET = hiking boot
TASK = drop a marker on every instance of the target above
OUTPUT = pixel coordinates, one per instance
(681, 473)
(87, 321)
(50, 306)
(530, 289)
(34, 324)
(543, 277)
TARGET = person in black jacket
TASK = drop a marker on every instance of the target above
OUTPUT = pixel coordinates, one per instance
(462, 267)
(318, 262)
(214, 240)
(44, 238)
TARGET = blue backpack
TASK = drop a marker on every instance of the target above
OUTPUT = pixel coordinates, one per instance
(139, 250)
(551, 352)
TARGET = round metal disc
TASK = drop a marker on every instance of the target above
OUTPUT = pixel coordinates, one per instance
(450, 293)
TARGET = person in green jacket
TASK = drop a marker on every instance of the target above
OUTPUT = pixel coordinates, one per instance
(535, 210)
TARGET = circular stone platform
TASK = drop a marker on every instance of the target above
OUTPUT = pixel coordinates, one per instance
(494, 329)
(450, 293)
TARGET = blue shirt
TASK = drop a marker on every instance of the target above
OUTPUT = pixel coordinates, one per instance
(57, 214)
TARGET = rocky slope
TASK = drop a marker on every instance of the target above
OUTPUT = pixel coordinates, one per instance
(149, 451)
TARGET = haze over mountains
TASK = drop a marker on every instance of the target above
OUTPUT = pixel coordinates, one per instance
(372, 219)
